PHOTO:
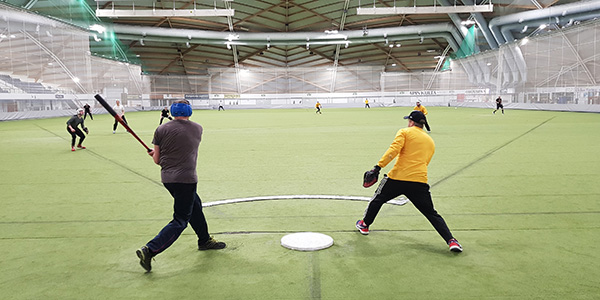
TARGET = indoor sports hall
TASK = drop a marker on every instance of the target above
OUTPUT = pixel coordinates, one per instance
(297, 100)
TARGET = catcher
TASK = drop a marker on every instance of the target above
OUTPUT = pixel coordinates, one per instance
(413, 149)
(72, 128)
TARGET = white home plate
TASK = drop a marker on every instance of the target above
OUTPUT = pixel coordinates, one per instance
(306, 241)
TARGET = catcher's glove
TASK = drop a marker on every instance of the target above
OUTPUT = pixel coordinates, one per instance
(86, 130)
(371, 177)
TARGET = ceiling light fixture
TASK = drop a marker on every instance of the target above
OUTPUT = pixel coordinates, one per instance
(98, 28)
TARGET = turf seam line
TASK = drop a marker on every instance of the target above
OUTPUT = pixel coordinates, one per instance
(266, 232)
(126, 168)
(93, 153)
(315, 277)
(490, 152)
(299, 216)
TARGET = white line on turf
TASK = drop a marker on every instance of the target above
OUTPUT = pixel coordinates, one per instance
(398, 201)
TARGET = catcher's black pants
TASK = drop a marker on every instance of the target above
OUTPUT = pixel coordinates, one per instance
(74, 135)
(417, 193)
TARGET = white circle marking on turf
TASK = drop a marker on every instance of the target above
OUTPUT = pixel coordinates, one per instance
(306, 241)
(398, 201)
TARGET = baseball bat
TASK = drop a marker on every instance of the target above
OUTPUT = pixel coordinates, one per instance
(120, 120)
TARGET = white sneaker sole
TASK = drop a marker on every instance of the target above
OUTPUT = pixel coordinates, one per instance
(455, 249)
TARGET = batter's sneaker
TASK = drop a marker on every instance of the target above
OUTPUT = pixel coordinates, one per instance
(72, 148)
(454, 245)
(80, 147)
(362, 227)
(212, 244)
(145, 256)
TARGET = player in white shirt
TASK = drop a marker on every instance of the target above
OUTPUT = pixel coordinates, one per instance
(120, 110)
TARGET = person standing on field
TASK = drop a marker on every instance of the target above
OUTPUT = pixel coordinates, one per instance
(499, 105)
(164, 114)
(88, 111)
(367, 103)
(72, 128)
(120, 110)
(318, 107)
(176, 151)
(413, 149)
(422, 109)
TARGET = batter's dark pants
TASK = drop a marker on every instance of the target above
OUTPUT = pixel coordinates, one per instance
(74, 135)
(117, 122)
(187, 208)
(417, 193)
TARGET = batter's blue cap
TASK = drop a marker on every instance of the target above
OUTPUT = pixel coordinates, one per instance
(181, 109)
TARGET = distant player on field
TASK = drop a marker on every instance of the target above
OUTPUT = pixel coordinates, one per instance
(88, 111)
(120, 110)
(422, 109)
(318, 107)
(367, 103)
(164, 114)
(499, 105)
(74, 121)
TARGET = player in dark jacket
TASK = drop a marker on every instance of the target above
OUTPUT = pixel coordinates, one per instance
(72, 128)
(164, 114)
(499, 105)
(88, 111)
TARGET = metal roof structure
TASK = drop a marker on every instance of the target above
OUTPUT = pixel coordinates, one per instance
(275, 33)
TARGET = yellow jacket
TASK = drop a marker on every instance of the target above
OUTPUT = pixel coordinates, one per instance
(413, 149)
(421, 108)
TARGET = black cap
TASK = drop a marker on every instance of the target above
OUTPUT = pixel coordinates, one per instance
(416, 116)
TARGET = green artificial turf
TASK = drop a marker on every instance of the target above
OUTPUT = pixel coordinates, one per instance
(520, 191)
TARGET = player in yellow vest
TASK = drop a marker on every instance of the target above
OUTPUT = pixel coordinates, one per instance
(367, 103)
(413, 149)
(422, 109)
(318, 107)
